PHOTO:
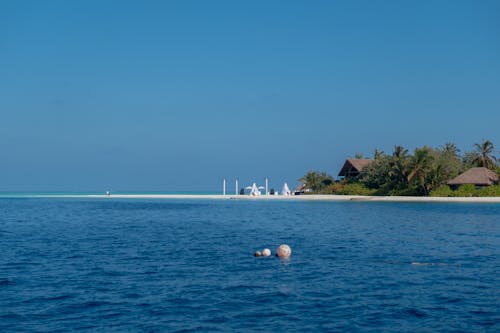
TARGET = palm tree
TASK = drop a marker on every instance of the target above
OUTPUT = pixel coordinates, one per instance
(358, 156)
(450, 149)
(315, 181)
(420, 167)
(400, 152)
(398, 165)
(484, 154)
(449, 160)
(378, 154)
(436, 177)
(326, 179)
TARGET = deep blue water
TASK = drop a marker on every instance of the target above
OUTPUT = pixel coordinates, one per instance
(171, 265)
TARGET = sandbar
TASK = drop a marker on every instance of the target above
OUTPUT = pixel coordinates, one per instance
(307, 197)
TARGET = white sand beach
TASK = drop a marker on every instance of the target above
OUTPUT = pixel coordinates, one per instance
(322, 197)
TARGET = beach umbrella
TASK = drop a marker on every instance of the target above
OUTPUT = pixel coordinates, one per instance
(285, 190)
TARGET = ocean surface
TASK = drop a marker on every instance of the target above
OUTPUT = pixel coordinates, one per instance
(110, 265)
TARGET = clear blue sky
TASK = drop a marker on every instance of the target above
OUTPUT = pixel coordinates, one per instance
(175, 95)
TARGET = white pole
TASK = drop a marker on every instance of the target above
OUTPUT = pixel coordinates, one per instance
(224, 187)
(267, 193)
(236, 186)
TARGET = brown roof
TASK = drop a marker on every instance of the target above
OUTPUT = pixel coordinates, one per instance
(354, 164)
(476, 176)
(301, 187)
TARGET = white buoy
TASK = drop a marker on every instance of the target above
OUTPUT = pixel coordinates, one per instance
(284, 251)
(257, 254)
(266, 252)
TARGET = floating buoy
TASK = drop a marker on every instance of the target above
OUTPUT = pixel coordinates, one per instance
(266, 252)
(257, 254)
(283, 251)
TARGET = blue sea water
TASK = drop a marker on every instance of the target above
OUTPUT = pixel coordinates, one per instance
(113, 265)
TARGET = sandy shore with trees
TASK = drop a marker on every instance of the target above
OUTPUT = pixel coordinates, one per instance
(428, 172)
(308, 197)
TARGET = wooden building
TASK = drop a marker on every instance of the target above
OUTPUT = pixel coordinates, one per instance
(353, 167)
(475, 176)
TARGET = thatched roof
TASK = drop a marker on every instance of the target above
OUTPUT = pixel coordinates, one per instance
(354, 165)
(476, 176)
(301, 187)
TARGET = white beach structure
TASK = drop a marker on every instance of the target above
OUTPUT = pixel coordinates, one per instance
(254, 191)
(285, 191)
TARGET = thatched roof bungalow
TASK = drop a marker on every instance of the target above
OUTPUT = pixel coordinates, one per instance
(475, 176)
(353, 167)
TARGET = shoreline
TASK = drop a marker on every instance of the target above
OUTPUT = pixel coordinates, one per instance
(311, 197)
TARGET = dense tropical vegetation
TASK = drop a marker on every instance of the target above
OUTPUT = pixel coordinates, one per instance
(317, 181)
(423, 173)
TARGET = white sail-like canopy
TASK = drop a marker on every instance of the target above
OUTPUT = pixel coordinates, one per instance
(254, 191)
(285, 190)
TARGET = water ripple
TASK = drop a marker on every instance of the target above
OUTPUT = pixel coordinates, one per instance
(187, 266)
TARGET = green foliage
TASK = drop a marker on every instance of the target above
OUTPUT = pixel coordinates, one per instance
(359, 156)
(449, 161)
(443, 191)
(481, 156)
(376, 174)
(357, 189)
(316, 181)
(466, 190)
(484, 154)
(489, 191)
(348, 189)
(469, 159)
(406, 192)
(426, 172)
(336, 188)
(398, 166)
(420, 168)
(378, 154)
(445, 165)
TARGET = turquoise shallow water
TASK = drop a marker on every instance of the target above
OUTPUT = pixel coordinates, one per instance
(10, 195)
(174, 265)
